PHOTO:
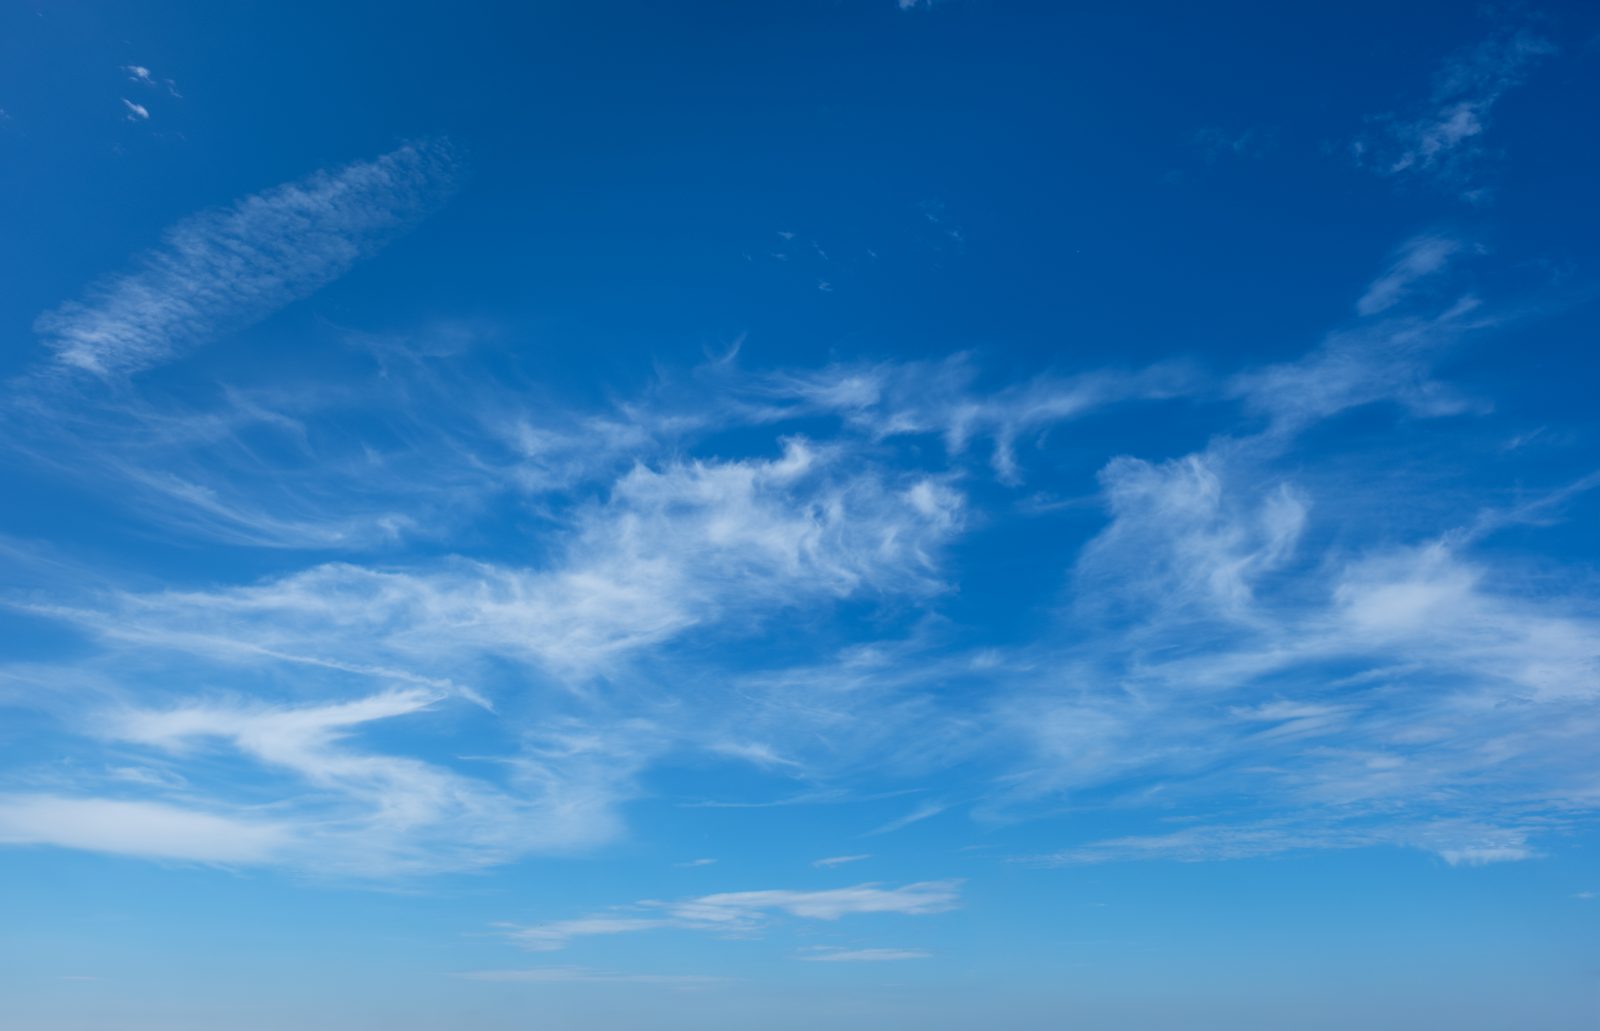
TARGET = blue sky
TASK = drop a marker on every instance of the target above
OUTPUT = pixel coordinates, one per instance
(809, 513)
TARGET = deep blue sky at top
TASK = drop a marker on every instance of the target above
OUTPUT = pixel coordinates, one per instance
(624, 159)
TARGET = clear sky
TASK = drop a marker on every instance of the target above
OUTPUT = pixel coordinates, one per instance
(799, 514)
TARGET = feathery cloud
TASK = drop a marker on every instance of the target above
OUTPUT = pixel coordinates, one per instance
(226, 269)
(742, 912)
(832, 861)
(1440, 137)
(1417, 258)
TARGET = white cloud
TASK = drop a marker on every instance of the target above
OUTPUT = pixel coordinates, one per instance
(136, 112)
(1482, 855)
(890, 400)
(1377, 360)
(913, 899)
(225, 269)
(558, 935)
(1250, 622)
(1417, 258)
(669, 550)
(1179, 537)
(143, 76)
(1273, 644)
(296, 464)
(1439, 137)
(924, 811)
(741, 912)
(349, 810)
(1459, 844)
(150, 830)
(690, 545)
(832, 861)
(753, 753)
(1348, 698)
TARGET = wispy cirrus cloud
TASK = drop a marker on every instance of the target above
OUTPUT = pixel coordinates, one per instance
(427, 446)
(741, 913)
(1218, 646)
(1343, 691)
(1375, 360)
(670, 549)
(140, 827)
(939, 399)
(1458, 844)
(345, 810)
(1416, 260)
(226, 269)
(1246, 622)
(832, 861)
(1441, 136)
(925, 811)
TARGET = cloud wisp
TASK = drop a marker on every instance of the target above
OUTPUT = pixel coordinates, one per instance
(1441, 137)
(832, 861)
(141, 828)
(740, 913)
(138, 73)
(343, 810)
(226, 269)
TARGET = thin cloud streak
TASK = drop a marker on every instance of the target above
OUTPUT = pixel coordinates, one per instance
(832, 861)
(1440, 137)
(741, 913)
(226, 269)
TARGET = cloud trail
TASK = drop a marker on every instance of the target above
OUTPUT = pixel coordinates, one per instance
(225, 269)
